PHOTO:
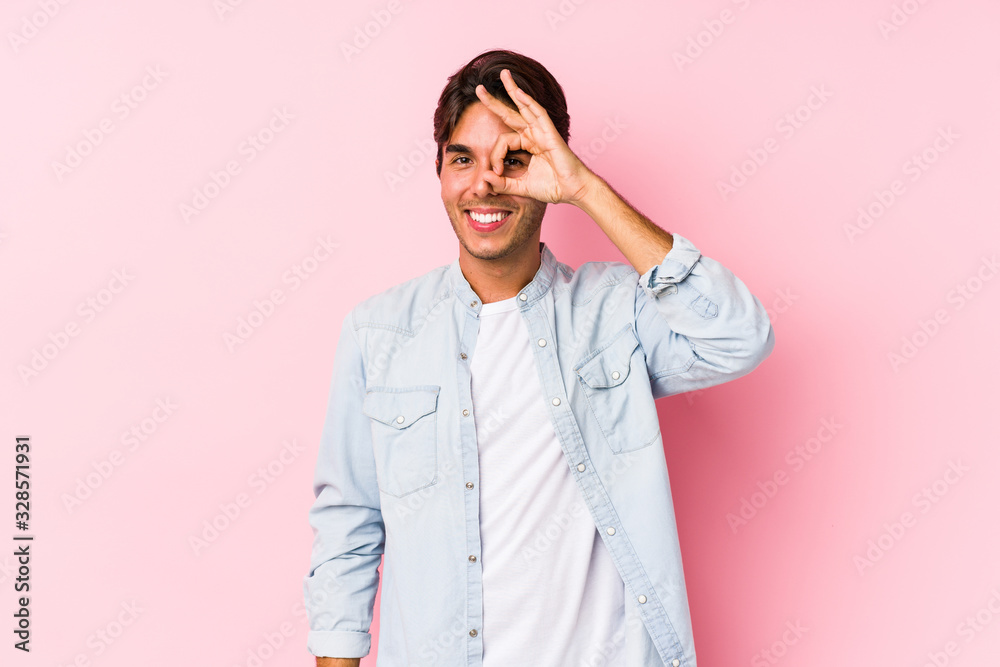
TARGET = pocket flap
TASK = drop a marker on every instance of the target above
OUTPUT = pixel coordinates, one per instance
(610, 366)
(400, 407)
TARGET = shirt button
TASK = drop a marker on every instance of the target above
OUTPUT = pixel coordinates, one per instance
(676, 663)
(473, 633)
(400, 419)
(541, 342)
(465, 413)
(615, 375)
(472, 559)
(522, 296)
(611, 530)
(464, 355)
(474, 304)
(555, 401)
(581, 467)
(469, 485)
(642, 599)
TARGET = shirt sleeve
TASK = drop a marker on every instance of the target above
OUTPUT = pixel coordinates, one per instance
(346, 517)
(698, 324)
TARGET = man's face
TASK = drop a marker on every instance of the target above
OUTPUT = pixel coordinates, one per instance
(465, 157)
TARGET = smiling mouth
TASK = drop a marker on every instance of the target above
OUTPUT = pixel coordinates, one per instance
(488, 220)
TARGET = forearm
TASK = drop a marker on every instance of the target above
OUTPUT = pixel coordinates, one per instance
(643, 243)
(338, 662)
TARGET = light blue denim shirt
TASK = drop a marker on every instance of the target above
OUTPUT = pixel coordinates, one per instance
(398, 469)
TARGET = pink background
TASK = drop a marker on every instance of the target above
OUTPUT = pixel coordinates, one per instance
(672, 130)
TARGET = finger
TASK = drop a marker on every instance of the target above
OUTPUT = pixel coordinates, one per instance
(504, 185)
(508, 141)
(521, 98)
(509, 116)
(532, 111)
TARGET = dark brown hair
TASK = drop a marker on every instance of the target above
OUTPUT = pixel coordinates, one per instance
(529, 75)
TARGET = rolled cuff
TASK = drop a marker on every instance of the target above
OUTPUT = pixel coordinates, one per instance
(339, 643)
(674, 268)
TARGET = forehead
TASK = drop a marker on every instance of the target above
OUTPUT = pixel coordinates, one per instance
(478, 127)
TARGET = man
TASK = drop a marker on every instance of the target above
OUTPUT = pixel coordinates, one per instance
(491, 428)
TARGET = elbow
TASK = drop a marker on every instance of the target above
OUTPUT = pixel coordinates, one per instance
(764, 347)
(753, 346)
(759, 343)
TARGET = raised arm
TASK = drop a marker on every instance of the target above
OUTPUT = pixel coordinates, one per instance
(698, 324)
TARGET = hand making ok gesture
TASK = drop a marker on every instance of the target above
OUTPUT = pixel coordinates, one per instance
(554, 174)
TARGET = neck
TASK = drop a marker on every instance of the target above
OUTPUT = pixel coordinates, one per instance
(499, 279)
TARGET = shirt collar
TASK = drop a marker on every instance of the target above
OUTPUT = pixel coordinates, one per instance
(528, 294)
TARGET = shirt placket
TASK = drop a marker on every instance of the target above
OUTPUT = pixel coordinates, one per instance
(470, 471)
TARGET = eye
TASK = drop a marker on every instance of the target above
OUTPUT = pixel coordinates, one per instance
(460, 157)
(517, 163)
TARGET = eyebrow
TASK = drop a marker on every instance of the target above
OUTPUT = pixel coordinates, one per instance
(462, 148)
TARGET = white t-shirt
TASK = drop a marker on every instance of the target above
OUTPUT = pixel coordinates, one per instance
(552, 596)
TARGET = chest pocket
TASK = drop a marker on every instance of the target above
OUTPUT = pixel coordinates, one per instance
(404, 436)
(617, 387)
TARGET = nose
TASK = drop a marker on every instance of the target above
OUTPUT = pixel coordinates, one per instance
(481, 187)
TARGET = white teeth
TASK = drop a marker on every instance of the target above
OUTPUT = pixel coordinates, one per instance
(486, 219)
